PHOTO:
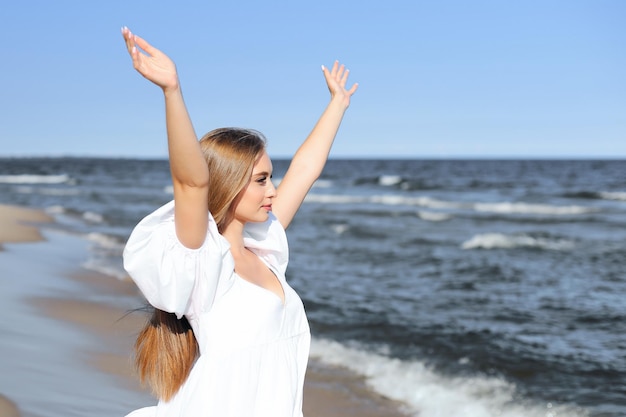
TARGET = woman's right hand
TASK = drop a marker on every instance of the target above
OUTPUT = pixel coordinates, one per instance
(153, 64)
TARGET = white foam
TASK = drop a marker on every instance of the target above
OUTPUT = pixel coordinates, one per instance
(46, 191)
(104, 241)
(502, 241)
(105, 268)
(34, 179)
(399, 200)
(93, 217)
(340, 228)
(427, 393)
(390, 200)
(433, 203)
(105, 255)
(55, 210)
(433, 216)
(389, 180)
(386, 199)
(613, 195)
(316, 184)
(526, 208)
(334, 199)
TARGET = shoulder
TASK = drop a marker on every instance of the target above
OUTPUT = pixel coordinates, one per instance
(155, 236)
(163, 218)
(269, 241)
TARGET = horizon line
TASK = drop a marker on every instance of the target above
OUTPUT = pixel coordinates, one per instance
(349, 157)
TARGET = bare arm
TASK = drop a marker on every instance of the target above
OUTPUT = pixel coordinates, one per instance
(190, 174)
(309, 160)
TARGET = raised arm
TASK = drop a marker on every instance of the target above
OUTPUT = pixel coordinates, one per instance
(190, 173)
(309, 160)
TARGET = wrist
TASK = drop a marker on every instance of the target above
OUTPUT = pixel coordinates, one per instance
(172, 88)
(339, 102)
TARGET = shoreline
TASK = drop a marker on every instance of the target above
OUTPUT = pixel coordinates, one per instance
(15, 227)
(20, 224)
(97, 307)
(8, 407)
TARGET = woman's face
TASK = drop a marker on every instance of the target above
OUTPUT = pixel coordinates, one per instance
(256, 198)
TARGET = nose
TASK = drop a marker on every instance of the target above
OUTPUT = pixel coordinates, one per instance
(271, 190)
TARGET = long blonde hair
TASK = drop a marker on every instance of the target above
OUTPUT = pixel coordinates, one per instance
(166, 347)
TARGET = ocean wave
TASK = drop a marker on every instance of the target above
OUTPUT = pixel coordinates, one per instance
(92, 217)
(334, 199)
(613, 195)
(316, 184)
(47, 191)
(340, 228)
(104, 267)
(432, 216)
(597, 195)
(105, 255)
(427, 393)
(55, 210)
(105, 241)
(502, 241)
(526, 208)
(386, 199)
(414, 201)
(433, 203)
(35, 179)
(73, 214)
(389, 180)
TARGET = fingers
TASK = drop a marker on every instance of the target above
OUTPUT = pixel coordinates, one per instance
(344, 78)
(128, 39)
(333, 72)
(133, 41)
(339, 75)
(338, 72)
(143, 44)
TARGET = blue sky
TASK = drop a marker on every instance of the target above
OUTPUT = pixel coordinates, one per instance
(436, 79)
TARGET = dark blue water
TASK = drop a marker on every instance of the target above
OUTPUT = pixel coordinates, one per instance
(460, 288)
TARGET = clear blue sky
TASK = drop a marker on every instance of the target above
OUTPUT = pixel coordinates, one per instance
(437, 78)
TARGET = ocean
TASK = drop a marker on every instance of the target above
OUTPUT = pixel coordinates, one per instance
(455, 287)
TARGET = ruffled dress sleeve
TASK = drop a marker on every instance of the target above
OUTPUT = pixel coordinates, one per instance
(171, 276)
(269, 241)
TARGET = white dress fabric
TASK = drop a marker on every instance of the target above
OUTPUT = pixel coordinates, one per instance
(253, 346)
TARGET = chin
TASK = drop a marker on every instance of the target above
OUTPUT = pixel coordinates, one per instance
(260, 219)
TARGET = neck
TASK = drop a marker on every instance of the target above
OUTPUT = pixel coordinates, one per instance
(233, 232)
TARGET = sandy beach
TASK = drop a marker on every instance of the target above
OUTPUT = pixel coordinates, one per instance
(18, 224)
(70, 336)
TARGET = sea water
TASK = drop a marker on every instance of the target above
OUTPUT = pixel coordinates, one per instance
(459, 288)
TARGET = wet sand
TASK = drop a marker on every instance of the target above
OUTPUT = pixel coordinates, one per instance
(98, 348)
(19, 224)
(7, 408)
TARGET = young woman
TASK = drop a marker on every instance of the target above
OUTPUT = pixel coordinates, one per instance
(229, 336)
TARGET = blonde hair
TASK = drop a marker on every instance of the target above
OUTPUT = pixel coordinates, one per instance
(166, 347)
(230, 154)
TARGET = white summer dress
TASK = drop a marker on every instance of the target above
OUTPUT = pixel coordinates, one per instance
(253, 346)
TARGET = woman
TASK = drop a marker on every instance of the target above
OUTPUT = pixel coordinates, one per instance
(229, 336)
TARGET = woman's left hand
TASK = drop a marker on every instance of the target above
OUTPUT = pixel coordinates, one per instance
(153, 64)
(336, 80)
